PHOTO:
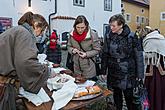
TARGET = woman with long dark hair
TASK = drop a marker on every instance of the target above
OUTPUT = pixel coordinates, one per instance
(83, 45)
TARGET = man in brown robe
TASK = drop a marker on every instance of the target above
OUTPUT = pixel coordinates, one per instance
(18, 60)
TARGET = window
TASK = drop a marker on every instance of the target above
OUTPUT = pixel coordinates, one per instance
(65, 36)
(105, 26)
(162, 16)
(137, 19)
(142, 20)
(142, 10)
(128, 17)
(147, 21)
(107, 5)
(79, 3)
(122, 5)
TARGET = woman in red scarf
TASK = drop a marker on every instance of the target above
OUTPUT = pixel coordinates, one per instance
(83, 45)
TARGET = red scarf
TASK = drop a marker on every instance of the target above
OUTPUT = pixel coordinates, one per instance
(79, 37)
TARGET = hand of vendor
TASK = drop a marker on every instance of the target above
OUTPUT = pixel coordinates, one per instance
(53, 74)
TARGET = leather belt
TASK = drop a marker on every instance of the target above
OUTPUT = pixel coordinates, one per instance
(118, 60)
(5, 80)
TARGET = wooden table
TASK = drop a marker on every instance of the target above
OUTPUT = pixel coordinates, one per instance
(73, 105)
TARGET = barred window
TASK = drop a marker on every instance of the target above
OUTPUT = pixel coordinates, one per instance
(79, 3)
(107, 5)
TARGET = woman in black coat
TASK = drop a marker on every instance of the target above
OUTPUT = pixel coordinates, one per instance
(123, 56)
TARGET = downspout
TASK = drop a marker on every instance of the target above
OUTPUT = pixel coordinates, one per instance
(55, 11)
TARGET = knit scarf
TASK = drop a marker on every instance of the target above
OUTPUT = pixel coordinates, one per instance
(30, 29)
(79, 37)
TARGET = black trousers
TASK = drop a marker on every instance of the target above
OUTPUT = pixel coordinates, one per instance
(118, 98)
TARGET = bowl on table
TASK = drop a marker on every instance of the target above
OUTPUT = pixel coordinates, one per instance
(79, 78)
(67, 71)
(56, 65)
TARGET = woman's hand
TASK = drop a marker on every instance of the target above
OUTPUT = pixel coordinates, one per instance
(82, 54)
(74, 51)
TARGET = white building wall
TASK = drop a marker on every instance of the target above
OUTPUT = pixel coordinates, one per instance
(16, 8)
(62, 25)
(93, 10)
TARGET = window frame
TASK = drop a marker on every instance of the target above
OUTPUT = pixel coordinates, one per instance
(138, 22)
(128, 21)
(106, 9)
(161, 16)
(76, 4)
(122, 5)
(142, 20)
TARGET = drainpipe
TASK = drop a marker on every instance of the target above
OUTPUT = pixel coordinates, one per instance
(55, 11)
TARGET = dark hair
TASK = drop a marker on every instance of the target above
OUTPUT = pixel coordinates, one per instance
(40, 20)
(81, 19)
(27, 17)
(119, 18)
(31, 18)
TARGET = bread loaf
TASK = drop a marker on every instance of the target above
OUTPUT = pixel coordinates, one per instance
(87, 91)
(93, 89)
(81, 92)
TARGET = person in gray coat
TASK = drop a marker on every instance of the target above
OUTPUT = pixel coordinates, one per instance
(18, 59)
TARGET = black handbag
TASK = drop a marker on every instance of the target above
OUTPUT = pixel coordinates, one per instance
(69, 62)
